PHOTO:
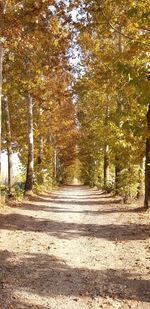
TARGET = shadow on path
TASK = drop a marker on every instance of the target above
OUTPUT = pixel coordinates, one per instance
(46, 275)
(70, 230)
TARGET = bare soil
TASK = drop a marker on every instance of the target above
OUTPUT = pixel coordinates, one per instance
(75, 248)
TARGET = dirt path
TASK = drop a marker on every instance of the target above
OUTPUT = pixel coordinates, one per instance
(75, 249)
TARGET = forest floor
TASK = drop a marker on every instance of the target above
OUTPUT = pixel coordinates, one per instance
(74, 249)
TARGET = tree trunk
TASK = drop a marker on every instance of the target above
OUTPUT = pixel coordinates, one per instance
(30, 164)
(147, 163)
(1, 67)
(106, 150)
(40, 148)
(140, 187)
(119, 110)
(117, 173)
(106, 165)
(55, 165)
(40, 176)
(40, 139)
(9, 147)
(118, 156)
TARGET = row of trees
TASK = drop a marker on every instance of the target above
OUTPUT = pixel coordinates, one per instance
(113, 96)
(37, 112)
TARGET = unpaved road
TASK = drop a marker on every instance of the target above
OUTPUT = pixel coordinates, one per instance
(74, 249)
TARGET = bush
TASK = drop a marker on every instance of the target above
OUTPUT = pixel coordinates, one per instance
(109, 187)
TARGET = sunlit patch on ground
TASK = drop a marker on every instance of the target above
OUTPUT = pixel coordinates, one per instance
(75, 248)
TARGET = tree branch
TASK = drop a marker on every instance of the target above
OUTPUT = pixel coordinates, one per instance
(120, 32)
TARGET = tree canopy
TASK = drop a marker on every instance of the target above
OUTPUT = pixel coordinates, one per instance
(74, 82)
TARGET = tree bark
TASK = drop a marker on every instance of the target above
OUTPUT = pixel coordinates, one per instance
(30, 164)
(147, 164)
(40, 139)
(106, 165)
(117, 173)
(40, 148)
(140, 187)
(9, 146)
(40, 159)
(55, 164)
(118, 156)
(119, 109)
(1, 68)
(106, 150)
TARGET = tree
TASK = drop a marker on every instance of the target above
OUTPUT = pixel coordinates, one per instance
(30, 164)
(1, 66)
(36, 66)
(147, 163)
(9, 145)
(121, 73)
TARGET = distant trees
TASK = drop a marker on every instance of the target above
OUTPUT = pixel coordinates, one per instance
(103, 132)
(114, 39)
(37, 111)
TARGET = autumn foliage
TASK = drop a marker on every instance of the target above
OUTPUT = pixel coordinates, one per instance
(74, 84)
